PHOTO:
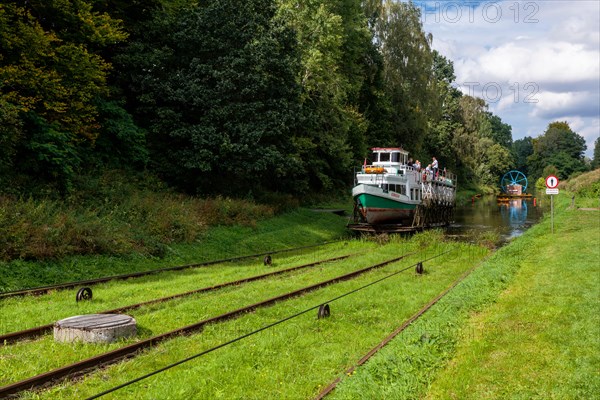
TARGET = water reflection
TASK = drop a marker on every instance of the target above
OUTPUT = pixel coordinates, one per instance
(509, 219)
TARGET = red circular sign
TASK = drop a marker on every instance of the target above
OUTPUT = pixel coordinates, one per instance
(551, 182)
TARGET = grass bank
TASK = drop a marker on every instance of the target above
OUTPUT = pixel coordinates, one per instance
(523, 325)
(290, 361)
(291, 229)
(540, 340)
(118, 214)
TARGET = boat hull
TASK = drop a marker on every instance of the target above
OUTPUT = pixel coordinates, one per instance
(383, 208)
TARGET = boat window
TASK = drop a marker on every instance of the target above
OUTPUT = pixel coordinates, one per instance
(384, 187)
(384, 157)
(402, 189)
(395, 157)
(375, 157)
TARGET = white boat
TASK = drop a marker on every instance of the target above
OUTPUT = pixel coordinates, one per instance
(390, 191)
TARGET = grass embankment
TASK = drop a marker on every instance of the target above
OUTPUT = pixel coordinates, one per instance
(288, 361)
(120, 227)
(541, 340)
(524, 325)
(114, 215)
(292, 229)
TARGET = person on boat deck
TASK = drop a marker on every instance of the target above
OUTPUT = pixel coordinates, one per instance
(417, 165)
(434, 166)
(410, 162)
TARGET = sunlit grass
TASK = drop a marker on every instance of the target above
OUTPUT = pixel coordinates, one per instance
(289, 361)
(539, 340)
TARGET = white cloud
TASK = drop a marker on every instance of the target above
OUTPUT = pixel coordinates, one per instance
(540, 61)
(543, 55)
(552, 104)
(505, 104)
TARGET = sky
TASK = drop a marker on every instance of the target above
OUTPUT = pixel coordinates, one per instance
(534, 62)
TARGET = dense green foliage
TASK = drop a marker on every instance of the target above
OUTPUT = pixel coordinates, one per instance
(266, 95)
(522, 149)
(51, 73)
(560, 147)
(596, 160)
(215, 87)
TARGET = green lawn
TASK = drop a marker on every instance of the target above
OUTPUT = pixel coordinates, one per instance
(541, 340)
(289, 361)
(525, 324)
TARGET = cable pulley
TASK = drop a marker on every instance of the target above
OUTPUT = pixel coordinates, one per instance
(419, 268)
(83, 294)
(324, 311)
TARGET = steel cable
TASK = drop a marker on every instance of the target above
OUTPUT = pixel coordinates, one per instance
(190, 358)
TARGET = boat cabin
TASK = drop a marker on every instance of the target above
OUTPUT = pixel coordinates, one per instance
(388, 156)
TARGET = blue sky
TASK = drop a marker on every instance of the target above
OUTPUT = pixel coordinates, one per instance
(534, 62)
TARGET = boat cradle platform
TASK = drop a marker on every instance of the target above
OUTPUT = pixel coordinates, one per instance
(391, 228)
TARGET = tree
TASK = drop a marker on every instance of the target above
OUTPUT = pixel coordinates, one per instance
(445, 125)
(501, 132)
(408, 72)
(558, 146)
(521, 150)
(495, 160)
(596, 160)
(51, 71)
(216, 86)
(467, 134)
(338, 64)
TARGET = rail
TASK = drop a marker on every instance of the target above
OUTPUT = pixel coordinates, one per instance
(93, 363)
(69, 285)
(31, 333)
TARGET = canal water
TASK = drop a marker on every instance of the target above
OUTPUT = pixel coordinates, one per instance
(485, 215)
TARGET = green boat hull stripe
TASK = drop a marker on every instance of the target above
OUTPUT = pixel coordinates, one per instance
(370, 201)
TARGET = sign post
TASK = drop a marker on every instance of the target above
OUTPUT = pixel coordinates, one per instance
(552, 189)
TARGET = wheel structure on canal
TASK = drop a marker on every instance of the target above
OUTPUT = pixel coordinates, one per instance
(511, 178)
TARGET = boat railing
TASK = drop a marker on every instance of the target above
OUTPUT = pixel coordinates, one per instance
(445, 177)
(421, 175)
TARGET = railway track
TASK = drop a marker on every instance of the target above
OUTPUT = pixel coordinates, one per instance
(331, 387)
(93, 363)
(69, 285)
(44, 329)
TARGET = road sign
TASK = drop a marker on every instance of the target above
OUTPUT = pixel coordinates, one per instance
(551, 182)
(552, 189)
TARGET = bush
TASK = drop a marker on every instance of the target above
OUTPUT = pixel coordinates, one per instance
(115, 215)
(585, 185)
